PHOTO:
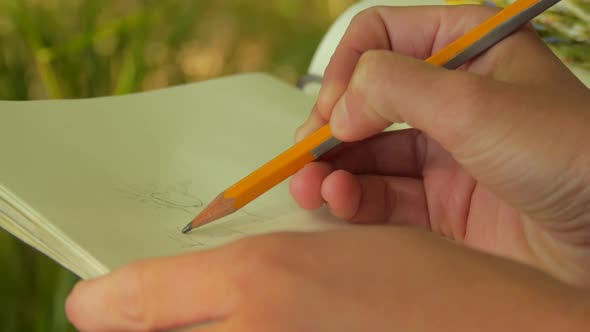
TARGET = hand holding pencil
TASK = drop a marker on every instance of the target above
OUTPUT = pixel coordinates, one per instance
(452, 56)
(498, 162)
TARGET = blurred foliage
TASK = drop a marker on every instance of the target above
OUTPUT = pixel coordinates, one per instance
(71, 49)
(77, 48)
(565, 27)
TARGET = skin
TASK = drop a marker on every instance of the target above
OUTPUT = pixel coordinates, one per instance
(484, 207)
(497, 161)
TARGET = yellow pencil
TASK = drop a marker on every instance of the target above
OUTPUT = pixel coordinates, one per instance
(313, 147)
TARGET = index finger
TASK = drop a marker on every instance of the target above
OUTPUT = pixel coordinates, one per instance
(417, 31)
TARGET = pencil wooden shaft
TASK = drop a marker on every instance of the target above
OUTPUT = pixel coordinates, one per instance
(278, 169)
(286, 164)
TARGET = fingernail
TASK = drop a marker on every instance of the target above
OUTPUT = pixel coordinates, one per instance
(308, 127)
(302, 132)
(340, 115)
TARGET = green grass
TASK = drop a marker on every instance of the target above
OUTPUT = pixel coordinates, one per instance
(73, 49)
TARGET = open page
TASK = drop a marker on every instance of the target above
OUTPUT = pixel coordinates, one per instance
(116, 178)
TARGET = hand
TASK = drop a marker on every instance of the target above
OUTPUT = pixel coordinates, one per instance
(498, 159)
(370, 279)
(482, 169)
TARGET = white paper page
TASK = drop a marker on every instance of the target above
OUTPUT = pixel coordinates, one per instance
(120, 176)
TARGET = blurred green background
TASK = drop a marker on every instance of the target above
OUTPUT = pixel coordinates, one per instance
(88, 48)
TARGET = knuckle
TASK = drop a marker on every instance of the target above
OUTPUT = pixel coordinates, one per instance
(260, 252)
(371, 84)
(370, 15)
(367, 72)
(265, 254)
(365, 15)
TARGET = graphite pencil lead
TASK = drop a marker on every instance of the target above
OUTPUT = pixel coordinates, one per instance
(187, 228)
(218, 208)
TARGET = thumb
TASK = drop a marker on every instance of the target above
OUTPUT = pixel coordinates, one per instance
(449, 106)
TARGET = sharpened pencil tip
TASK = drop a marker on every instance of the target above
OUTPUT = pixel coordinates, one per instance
(187, 228)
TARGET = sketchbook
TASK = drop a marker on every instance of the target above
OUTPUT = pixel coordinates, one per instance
(98, 183)
(95, 184)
